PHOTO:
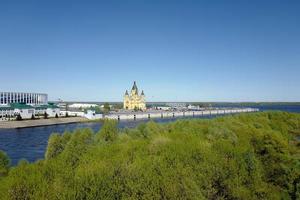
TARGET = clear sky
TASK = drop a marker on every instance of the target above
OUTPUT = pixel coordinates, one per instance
(175, 50)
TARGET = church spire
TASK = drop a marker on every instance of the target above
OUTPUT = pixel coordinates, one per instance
(126, 93)
(134, 87)
(142, 93)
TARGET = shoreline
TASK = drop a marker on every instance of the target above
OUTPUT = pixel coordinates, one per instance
(174, 114)
(119, 117)
(40, 122)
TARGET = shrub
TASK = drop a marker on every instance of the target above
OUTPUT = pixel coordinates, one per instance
(56, 144)
(19, 118)
(108, 132)
(245, 156)
(4, 163)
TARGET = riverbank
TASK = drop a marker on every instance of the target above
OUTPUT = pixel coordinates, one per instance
(40, 122)
(122, 117)
(175, 114)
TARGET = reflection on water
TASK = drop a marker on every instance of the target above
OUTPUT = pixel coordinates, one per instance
(31, 143)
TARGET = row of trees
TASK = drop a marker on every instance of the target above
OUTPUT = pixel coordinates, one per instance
(245, 156)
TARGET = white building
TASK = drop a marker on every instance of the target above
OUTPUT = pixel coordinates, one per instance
(22, 110)
(176, 105)
(51, 110)
(7, 98)
(91, 114)
(192, 107)
(6, 112)
(165, 108)
(72, 113)
(27, 111)
(82, 105)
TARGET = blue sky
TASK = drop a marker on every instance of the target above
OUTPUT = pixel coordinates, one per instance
(175, 50)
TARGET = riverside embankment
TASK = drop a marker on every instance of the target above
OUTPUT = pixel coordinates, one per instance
(123, 116)
(174, 114)
(39, 122)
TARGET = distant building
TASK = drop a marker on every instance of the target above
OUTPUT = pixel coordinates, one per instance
(15, 109)
(51, 109)
(82, 105)
(165, 108)
(176, 105)
(7, 98)
(26, 111)
(91, 114)
(134, 100)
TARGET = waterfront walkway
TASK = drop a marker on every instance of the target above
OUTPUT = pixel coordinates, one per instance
(170, 114)
(124, 116)
(39, 122)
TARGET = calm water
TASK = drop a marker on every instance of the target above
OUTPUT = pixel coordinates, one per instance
(31, 143)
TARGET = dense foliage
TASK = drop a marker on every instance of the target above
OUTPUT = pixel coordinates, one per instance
(234, 104)
(245, 156)
(4, 164)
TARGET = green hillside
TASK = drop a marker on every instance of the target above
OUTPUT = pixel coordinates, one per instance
(245, 156)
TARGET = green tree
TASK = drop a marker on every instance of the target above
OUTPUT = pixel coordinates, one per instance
(106, 108)
(56, 144)
(4, 163)
(108, 132)
(19, 118)
(77, 145)
(244, 156)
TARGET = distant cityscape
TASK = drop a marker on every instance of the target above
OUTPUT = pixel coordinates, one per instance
(17, 106)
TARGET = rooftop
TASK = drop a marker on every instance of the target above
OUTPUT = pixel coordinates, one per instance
(6, 108)
(50, 105)
(20, 106)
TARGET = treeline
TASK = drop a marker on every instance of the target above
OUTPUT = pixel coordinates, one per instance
(245, 156)
(244, 104)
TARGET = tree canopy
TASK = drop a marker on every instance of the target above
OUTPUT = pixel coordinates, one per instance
(244, 156)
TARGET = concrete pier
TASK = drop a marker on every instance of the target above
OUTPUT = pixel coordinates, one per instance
(173, 114)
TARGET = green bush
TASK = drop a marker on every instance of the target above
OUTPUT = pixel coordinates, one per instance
(4, 163)
(108, 132)
(245, 156)
(56, 144)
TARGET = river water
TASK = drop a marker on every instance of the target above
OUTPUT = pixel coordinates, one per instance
(31, 143)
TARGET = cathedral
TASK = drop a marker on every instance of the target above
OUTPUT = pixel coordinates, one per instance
(133, 100)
